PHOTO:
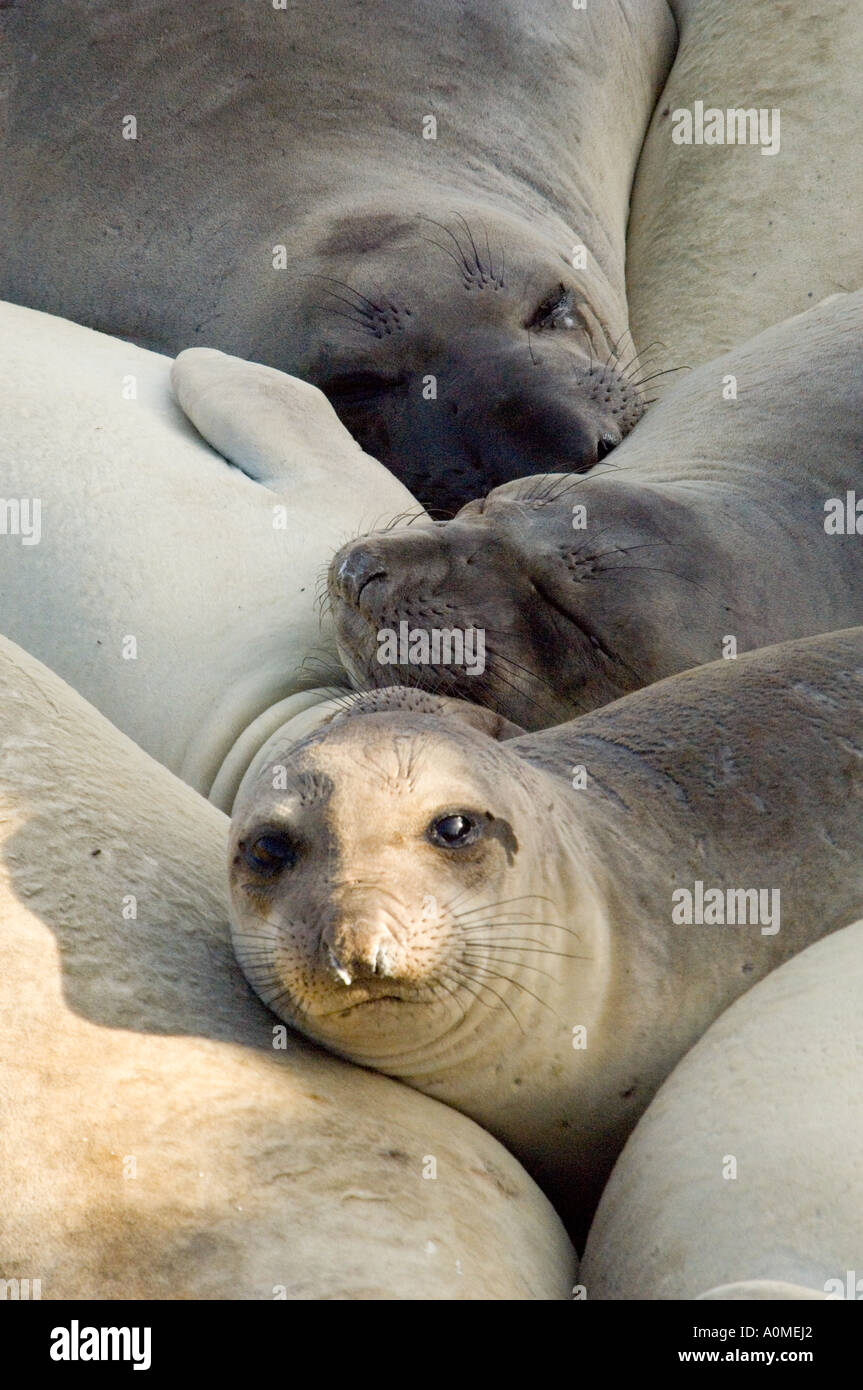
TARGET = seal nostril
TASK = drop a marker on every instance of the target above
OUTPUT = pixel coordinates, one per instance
(358, 569)
(379, 574)
(353, 951)
(337, 968)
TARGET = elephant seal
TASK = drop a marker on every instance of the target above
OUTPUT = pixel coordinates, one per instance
(177, 593)
(747, 1169)
(161, 1140)
(419, 207)
(723, 242)
(499, 919)
(712, 530)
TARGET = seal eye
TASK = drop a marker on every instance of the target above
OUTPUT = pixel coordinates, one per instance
(270, 854)
(556, 310)
(453, 832)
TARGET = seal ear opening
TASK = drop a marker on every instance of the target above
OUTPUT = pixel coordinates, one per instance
(405, 700)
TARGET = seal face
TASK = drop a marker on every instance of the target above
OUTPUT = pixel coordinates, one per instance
(353, 914)
(561, 635)
(463, 350)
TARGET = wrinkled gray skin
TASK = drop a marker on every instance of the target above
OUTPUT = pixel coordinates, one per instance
(406, 257)
(463, 968)
(708, 523)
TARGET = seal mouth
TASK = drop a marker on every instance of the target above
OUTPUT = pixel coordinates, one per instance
(365, 1004)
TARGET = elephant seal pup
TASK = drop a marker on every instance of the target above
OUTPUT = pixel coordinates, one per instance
(747, 1168)
(419, 207)
(161, 1140)
(503, 923)
(712, 530)
(177, 593)
(723, 242)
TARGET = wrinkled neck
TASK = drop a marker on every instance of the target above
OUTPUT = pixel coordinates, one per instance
(216, 762)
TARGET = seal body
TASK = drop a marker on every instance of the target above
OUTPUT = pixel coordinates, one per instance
(178, 593)
(698, 288)
(504, 924)
(747, 1169)
(418, 207)
(729, 520)
(161, 1139)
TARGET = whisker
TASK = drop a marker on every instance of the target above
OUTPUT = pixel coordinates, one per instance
(516, 984)
(331, 279)
(484, 985)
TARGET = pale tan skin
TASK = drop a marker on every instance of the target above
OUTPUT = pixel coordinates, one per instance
(258, 1173)
(722, 242)
(775, 1083)
(464, 970)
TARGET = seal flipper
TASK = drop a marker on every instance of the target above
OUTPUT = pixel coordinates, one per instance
(244, 409)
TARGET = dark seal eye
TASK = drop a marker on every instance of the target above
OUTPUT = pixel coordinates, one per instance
(453, 832)
(270, 854)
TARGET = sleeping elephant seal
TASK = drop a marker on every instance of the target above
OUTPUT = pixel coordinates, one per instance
(177, 593)
(720, 525)
(744, 1179)
(723, 240)
(536, 929)
(161, 1140)
(418, 205)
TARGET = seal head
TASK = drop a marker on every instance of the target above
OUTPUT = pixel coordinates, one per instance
(384, 880)
(570, 619)
(463, 350)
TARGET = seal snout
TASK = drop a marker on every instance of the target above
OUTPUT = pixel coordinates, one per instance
(359, 950)
(366, 571)
(357, 568)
